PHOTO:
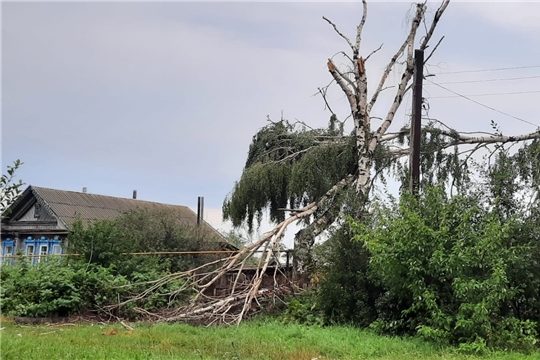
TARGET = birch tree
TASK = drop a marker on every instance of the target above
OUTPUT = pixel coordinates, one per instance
(373, 145)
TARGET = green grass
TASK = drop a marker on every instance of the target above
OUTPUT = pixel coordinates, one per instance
(251, 340)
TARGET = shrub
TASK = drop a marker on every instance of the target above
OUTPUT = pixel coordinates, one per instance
(62, 288)
(303, 309)
(108, 242)
(348, 288)
(450, 266)
(55, 288)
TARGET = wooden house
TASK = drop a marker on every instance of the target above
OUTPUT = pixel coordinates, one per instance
(40, 219)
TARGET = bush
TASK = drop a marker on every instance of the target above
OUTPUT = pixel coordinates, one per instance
(348, 288)
(108, 242)
(55, 288)
(452, 268)
(303, 309)
(61, 288)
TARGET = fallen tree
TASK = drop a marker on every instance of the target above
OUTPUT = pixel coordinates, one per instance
(314, 175)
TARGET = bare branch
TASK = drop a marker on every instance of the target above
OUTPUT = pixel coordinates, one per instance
(359, 29)
(344, 54)
(373, 52)
(434, 23)
(340, 33)
(433, 51)
(339, 79)
(405, 78)
(492, 139)
(346, 78)
(416, 23)
(393, 136)
(323, 94)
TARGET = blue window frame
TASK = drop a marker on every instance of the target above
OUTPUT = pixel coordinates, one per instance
(8, 249)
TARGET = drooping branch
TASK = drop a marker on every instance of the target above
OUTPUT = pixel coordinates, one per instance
(456, 138)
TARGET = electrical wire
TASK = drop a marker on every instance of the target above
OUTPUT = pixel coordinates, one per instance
(492, 94)
(486, 106)
(488, 80)
(484, 70)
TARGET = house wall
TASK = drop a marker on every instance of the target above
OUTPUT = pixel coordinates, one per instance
(33, 247)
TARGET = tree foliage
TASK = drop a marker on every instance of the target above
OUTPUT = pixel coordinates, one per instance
(9, 189)
(288, 167)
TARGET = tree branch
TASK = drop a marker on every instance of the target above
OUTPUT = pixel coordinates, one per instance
(373, 52)
(388, 69)
(340, 33)
(405, 78)
(359, 29)
(433, 51)
(339, 79)
(323, 94)
(460, 139)
(434, 23)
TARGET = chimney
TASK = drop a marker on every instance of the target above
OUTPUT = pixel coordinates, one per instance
(84, 189)
(135, 194)
(200, 210)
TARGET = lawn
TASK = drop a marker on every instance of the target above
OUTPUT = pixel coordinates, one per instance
(251, 340)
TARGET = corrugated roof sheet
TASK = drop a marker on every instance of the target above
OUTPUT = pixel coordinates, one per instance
(70, 206)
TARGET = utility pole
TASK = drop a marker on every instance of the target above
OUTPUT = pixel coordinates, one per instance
(416, 123)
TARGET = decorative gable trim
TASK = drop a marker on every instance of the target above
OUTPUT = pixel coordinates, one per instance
(31, 212)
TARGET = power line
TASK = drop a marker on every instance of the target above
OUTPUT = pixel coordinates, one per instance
(489, 80)
(483, 105)
(492, 94)
(484, 70)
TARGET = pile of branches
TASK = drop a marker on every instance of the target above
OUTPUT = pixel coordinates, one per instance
(239, 295)
(243, 294)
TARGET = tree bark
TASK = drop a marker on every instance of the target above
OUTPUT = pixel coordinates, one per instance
(305, 238)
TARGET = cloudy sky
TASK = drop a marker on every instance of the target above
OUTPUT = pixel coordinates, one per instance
(165, 97)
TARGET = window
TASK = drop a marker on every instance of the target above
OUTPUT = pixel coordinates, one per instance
(57, 250)
(8, 251)
(29, 249)
(42, 252)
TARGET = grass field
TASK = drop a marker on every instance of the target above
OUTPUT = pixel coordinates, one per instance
(251, 340)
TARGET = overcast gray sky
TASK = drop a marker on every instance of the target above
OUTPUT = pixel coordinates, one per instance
(165, 97)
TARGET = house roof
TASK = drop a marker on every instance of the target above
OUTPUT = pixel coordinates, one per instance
(68, 206)
(71, 205)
